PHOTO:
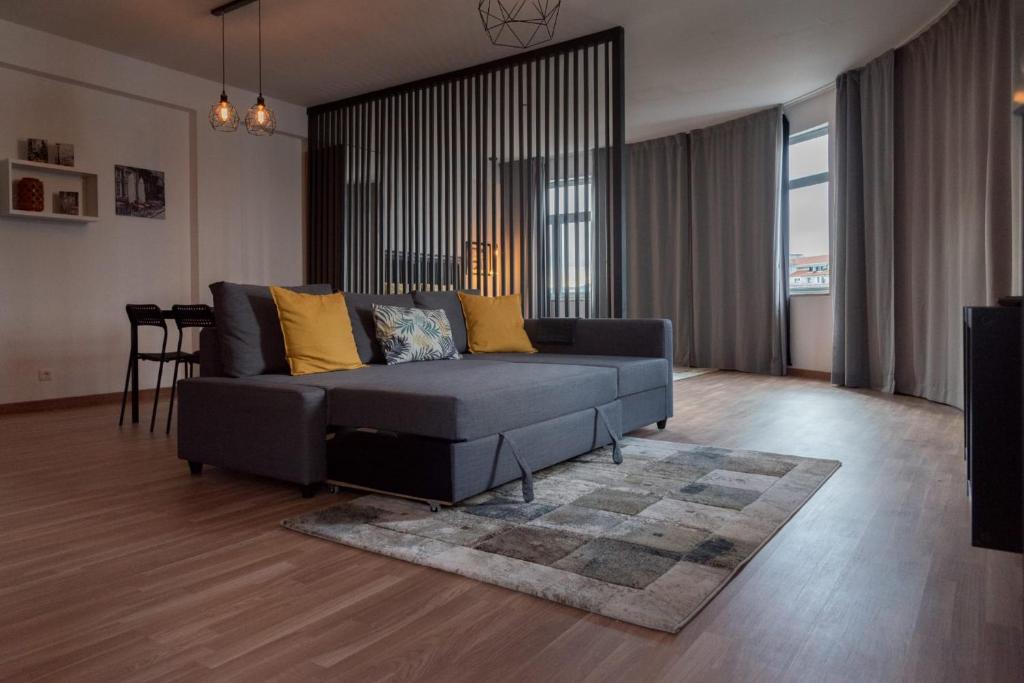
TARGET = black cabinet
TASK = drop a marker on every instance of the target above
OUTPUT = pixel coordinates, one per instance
(993, 418)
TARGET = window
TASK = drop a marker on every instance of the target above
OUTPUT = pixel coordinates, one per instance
(809, 211)
(569, 246)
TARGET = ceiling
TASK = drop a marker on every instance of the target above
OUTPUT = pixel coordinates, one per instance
(689, 63)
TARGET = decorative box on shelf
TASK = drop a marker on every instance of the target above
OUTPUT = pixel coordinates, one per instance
(55, 179)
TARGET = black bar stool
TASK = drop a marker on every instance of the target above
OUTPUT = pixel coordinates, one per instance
(144, 315)
(187, 316)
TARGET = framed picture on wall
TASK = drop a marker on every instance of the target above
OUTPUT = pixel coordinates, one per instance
(139, 192)
(66, 203)
(65, 154)
(37, 150)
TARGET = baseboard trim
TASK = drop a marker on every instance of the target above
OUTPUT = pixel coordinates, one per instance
(810, 374)
(75, 402)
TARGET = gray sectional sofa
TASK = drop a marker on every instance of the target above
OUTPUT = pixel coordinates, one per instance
(441, 431)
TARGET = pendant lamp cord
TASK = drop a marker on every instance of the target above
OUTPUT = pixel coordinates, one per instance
(259, 59)
(223, 62)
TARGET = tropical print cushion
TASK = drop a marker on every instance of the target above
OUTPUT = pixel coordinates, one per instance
(412, 334)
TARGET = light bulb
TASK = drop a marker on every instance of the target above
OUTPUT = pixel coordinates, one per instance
(223, 116)
(261, 115)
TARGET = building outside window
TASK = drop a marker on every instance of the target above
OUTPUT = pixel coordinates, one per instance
(809, 188)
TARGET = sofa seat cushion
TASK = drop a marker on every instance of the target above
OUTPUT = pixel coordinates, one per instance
(457, 400)
(634, 374)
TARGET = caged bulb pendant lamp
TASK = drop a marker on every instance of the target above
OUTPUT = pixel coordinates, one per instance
(223, 116)
(260, 119)
(519, 23)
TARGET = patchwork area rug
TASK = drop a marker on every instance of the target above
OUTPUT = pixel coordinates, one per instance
(649, 541)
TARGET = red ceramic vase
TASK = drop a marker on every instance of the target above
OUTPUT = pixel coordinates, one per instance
(29, 196)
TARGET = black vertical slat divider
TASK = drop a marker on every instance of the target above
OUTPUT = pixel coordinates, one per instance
(589, 186)
(555, 256)
(348, 208)
(608, 240)
(462, 171)
(446, 145)
(405, 194)
(497, 138)
(390, 196)
(319, 226)
(404, 181)
(424, 176)
(339, 178)
(478, 85)
(367, 189)
(530, 112)
(361, 155)
(522, 157)
(426, 274)
(564, 187)
(385, 194)
(576, 180)
(501, 246)
(371, 190)
(345, 203)
(618, 179)
(329, 179)
(321, 196)
(489, 203)
(418, 191)
(540, 218)
(547, 260)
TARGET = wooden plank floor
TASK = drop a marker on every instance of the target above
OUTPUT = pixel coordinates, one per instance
(116, 565)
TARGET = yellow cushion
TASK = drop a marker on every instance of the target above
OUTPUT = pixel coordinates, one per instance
(317, 332)
(495, 324)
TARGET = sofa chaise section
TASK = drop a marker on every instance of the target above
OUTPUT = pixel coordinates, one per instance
(263, 428)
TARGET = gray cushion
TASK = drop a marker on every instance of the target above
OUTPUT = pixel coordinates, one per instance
(452, 307)
(360, 312)
(458, 400)
(635, 374)
(248, 329)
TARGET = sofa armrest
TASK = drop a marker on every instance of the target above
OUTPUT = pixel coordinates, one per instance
(271, 430)
(649, 337)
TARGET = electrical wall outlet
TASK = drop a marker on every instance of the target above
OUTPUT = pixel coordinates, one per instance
(45, 375)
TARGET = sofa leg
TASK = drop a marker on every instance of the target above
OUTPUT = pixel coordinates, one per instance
(309, 490)
(662, 423)
(196, 468)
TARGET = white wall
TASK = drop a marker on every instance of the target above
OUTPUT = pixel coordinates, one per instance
(234, 208)
(810, 315)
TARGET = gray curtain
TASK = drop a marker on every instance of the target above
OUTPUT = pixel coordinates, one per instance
(862, 239)
(658, 248)
(924, 202)
(953, 192)
(738, 245)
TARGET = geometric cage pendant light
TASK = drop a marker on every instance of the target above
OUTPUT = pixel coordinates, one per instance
(260, 119)
(223, 116)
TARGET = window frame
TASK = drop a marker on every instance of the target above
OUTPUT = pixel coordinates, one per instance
(810, 180)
